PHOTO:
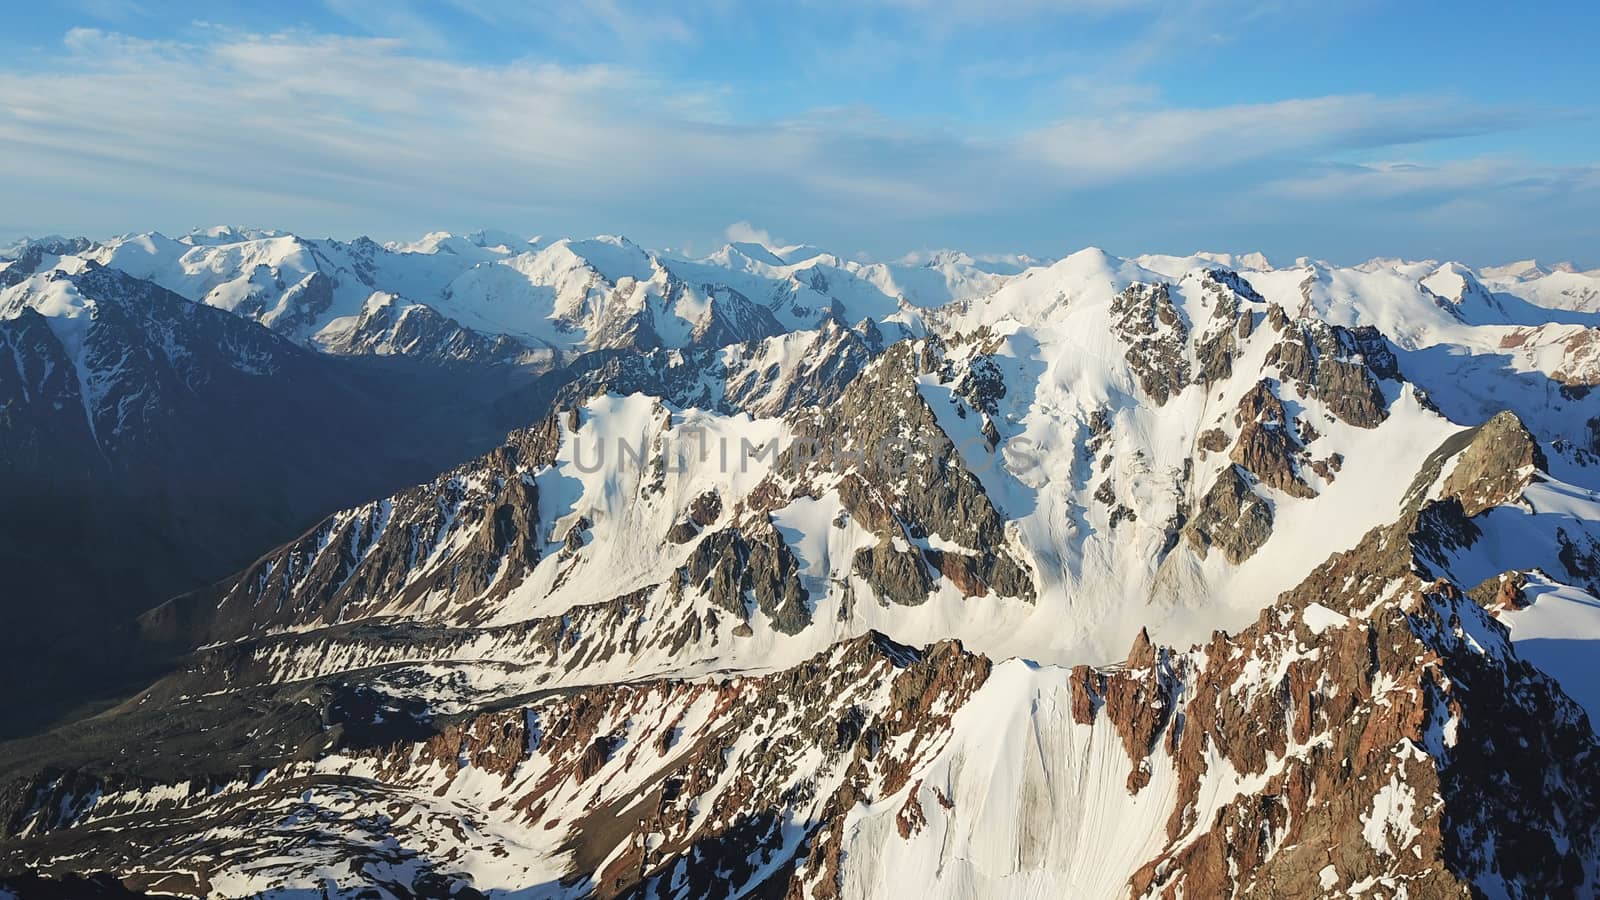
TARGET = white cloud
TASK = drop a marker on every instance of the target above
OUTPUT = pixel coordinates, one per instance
(369, 133)
(1122, 145)
(745, 233)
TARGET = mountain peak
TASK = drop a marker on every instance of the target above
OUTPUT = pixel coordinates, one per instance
(750, 250)
(492, 239)
(637, 646)
(1524, 268)
(217, 235)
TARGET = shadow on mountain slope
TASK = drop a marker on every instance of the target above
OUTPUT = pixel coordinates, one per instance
(85, 553)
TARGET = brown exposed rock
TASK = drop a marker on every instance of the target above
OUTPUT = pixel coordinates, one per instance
(1266, 446)
(1215, 356)
(1214, 440)
(1328, 468)
(1501, 460)
(961, 569)
(1339, 366)
(596, 756)
(1277, 318)
(683, 531)
(982, 384)
(577, 535)
(1088, 693)
(1502, 593)
(911, 818)
(1232, 323)
(706, 508)
(1230, 517)
(1139, 698)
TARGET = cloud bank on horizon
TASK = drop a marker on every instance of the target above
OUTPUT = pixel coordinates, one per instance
(886, 126)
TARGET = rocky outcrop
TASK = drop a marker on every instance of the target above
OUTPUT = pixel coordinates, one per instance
(981, 384)
(1232, 323)
(1500, 460)
(1156, 337)
(1267, 446)
(764, 377)
(1579, 554)
(32, 255)
(1231, 517)
(905, 478)
(738, 566)
(703, 511)
(1364, 742)
(1577, 347)
(894, 574)
(1341, 367)
(296, 309)
(1503, 593)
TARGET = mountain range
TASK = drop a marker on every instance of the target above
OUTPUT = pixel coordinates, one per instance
(496, 566)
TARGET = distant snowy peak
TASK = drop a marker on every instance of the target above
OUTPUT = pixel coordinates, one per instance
(1243, 262)
(730, 255)
(1473, 301)
(1559, 289)
(217, 235)
(996, 263)
(493, 239)
(390, 326)
(579, 294)
(445, 243)
(105, 369)
(1530, 269)
(795, 254)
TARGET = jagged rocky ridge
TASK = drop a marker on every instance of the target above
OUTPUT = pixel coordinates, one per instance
(1338, 745)
(801, 615)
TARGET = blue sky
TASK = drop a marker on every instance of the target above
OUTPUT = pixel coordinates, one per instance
(1342, 131)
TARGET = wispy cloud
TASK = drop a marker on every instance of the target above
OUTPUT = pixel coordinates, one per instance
(1121, 145)
(743, 232)
(1393, 179)
(377, 131)
(589, 24)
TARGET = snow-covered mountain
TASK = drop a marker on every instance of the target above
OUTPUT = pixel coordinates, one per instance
(149, 444)
(814, 577)
(487, 293)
